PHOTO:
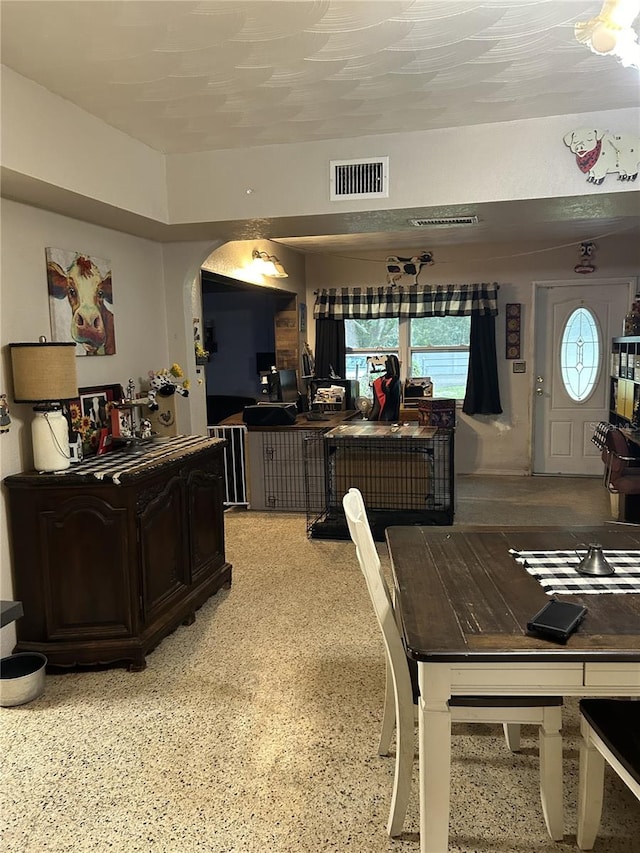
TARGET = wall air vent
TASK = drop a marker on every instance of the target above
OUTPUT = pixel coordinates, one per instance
(445, 220)
(366, 178)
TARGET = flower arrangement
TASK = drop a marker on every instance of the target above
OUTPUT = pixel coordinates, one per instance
(164, 383)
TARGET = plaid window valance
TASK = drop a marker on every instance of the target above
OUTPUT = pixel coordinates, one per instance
(373, 303)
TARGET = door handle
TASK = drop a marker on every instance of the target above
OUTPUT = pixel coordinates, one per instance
(539, 392)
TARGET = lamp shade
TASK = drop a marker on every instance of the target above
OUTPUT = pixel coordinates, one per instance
(44, 372)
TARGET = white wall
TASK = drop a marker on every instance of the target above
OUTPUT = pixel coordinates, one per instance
(140, 314)
(464, 165)
(46, 137)
(499, 444)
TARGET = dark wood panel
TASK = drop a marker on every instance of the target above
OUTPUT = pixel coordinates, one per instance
(105, 571)
(462, 593)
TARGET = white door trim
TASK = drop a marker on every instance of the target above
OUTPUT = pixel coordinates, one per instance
(632, 283)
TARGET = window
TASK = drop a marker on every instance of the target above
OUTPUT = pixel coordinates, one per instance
(433, 346)
(580, 354)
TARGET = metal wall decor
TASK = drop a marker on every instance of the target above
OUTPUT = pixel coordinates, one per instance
(513, 329)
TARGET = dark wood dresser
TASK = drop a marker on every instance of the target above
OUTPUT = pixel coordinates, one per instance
(112, 555)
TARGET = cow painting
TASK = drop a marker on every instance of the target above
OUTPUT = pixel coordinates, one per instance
(81, 301)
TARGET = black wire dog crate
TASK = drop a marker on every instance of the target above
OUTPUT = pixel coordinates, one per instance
(279, 479)
(405, 473)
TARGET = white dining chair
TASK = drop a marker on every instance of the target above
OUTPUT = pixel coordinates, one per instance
(401, 695)
(610, 732)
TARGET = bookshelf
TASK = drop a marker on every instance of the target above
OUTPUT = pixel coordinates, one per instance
(624, 393)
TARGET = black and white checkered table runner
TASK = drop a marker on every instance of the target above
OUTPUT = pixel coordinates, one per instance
(556, 571)
(113, 466)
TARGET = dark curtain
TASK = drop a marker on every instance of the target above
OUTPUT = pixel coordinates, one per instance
(482, 396)
(330, 348)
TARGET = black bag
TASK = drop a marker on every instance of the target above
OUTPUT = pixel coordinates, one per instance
(270, 414)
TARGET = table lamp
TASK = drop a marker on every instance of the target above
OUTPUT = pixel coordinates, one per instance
(44, 373)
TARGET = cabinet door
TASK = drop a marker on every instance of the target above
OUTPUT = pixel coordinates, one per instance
(206, 521)
(83, 545)
(164, 561)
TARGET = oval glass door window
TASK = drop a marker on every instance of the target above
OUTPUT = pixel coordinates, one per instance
(580, 354)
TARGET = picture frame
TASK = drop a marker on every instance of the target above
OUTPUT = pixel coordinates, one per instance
(105, 441)
(90, 412)
(94, 407)
(122, 422)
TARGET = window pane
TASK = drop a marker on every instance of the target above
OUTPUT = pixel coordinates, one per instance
(372, 334)
(439, 349)
(448, 370)
(580, 354)
(440, 331)
(370, 337)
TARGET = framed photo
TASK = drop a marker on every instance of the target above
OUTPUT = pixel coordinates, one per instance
(90, 413)
(94, 409)
(122, 422)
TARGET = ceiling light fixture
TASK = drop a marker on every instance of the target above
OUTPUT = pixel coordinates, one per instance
(612, 32)
(268, 265)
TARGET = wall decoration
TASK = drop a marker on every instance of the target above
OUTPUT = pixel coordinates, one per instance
(585, 265)
(407, 270)
(302, 326)
(202, 354)
(513, 320)
(600, 153)
(5, 418)
(81, 301)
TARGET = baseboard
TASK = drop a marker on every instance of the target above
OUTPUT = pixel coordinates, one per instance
(498, 472)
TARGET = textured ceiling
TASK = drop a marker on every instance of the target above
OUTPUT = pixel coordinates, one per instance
(185, 76)
(188, 76)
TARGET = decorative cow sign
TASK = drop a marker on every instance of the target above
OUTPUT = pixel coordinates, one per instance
(599, 153)
(406, 270)
(80, 301)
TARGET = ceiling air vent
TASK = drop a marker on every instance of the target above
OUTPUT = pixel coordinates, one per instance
(368, 178)
(445, 220)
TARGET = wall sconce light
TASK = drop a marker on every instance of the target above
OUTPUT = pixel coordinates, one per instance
(268, 265)
(611, 33)
(45, 374)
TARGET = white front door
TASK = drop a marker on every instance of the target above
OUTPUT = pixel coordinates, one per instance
(563, 425)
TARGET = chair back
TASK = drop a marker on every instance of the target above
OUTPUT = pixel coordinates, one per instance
(360, 532)
(618, 456)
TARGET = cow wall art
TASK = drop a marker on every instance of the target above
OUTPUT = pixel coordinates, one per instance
(81, 301)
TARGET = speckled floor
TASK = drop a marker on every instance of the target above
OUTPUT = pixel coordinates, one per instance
(255, 729)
